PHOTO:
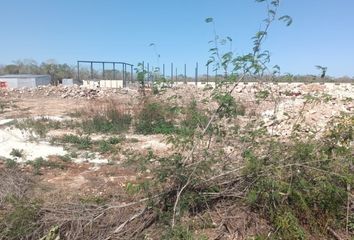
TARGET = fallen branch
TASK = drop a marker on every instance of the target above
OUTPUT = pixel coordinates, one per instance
(118, 229)
(334, 234)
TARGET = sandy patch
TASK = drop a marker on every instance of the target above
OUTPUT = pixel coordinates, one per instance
(13, 138)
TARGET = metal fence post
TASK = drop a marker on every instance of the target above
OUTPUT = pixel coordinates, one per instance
(78, 71)
(207, 76)
(196, 74)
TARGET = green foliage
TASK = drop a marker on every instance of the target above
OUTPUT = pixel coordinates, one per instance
(65, 158)
(18, 153)
(10, 163)
(323, 70)
(160, 84)
(40, 162)
(99, 200)
(20, 220)
(138, 161)
(228, 107)
(135, 188)
(105, 147)
(155, 118)
(109, 120)
(288, 227)
(305, 186)
(40, 126)
(81, 142)
(53, 234)
(178, 233)
(193, 119)
(115, 140)
(262, 95)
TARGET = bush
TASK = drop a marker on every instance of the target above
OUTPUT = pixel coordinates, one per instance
(39, 126)
(19, 153)
(10, 163)
(80, 142)
(306, 186)
(155, 118)
(105, 147)
(109, 119)
(40, 162)
(20, 221)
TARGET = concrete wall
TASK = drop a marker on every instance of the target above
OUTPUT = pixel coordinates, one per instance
(29, 82)
(19, 82)
(103, 83)
(43, 80)
(199, 84)
(67, 81)
(111, 83)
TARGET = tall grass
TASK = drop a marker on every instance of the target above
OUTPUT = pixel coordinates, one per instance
(106, 117)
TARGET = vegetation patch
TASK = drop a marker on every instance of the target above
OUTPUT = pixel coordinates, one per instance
(155, 118)
(106, 119)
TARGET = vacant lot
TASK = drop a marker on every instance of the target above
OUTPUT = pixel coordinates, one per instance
(274, 161)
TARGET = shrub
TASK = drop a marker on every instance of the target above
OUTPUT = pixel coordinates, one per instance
(155, 118)
(306, 186)
(109, 119)
(80, 142)
(19, 153)
(228, 107)
(40, 162)
(193, 119)
(39, 126)
(20, 221)
(105, 147)
(10, 163)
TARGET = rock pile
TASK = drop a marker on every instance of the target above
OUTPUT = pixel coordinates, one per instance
(71, 92)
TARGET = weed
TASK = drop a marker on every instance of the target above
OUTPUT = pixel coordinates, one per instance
(262, 95)
(115, 140)
(105, 147)
(19, 153)
(20, 220)
(194, 119)
(109, 120)
(228, 107)
(135, 188)
(80, 142)
(154, 118)
(2, 107)
(99, 200)
(65, 158)
(10, 163)
(73, 154)
(40, 162)
(139, 162)
(178, 233)
(39, 126)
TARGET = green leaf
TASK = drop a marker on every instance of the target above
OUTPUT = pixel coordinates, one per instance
(275, 3)
(276, 67)
(209, 20)
(271, 12)
(287, 19)
(209, 62)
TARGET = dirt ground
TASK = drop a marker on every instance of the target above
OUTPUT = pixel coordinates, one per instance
(104, 179)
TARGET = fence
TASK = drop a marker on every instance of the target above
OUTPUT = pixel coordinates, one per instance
(204, 74)
(106, 74)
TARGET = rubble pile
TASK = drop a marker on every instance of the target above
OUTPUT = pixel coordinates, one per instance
(71, 92)
(280, 106)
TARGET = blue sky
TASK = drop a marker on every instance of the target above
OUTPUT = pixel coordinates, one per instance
(322, 32)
